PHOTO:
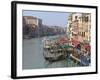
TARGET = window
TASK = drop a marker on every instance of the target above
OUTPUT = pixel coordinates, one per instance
(75, 17)
(83, 34)
(80, 18)
(86, 19)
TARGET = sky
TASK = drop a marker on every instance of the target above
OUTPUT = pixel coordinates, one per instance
(49, 18)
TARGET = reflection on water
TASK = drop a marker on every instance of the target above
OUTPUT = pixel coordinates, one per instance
(33, 56)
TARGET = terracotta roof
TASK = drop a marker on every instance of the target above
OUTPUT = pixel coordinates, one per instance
(30, 17)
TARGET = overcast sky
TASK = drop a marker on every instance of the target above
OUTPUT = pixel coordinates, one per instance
(49, 18)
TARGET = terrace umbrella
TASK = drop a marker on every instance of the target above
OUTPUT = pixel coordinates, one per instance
(75, 42)
(63, 40)
(87, 47)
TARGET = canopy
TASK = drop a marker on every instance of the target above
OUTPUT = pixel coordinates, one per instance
(63, 40)
(75, 42)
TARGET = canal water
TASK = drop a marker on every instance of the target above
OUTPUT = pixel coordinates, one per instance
(33, 56)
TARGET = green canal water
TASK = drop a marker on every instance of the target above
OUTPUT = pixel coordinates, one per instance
(33, 56)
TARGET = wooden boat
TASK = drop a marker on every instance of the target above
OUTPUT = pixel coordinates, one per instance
(54, 51)
(53, 55)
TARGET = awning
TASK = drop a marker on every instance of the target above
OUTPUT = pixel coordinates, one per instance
(75, 42)
(87, 46)
(63, 40)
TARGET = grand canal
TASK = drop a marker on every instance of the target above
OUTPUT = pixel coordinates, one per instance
(33, 56)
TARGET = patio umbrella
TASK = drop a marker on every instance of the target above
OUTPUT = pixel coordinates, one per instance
(63, 40)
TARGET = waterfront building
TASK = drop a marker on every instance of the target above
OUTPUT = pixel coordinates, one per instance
(31, 26)
(79, 26)
(30, 20)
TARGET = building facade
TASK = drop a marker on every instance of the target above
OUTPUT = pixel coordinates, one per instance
(79, 26)
(31, 26)
(30, 20)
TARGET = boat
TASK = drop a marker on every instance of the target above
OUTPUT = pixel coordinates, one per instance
(53, 55)
(54, 51)
(82, 59)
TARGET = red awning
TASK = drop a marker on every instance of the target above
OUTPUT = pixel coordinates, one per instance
(87, 46)
(75, 42)
(63, 40)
